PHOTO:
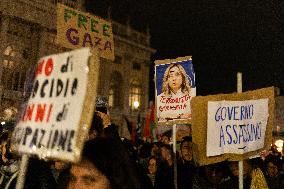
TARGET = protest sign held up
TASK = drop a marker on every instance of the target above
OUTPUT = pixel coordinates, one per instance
(58, 113)
(175, 86)
(232, 126)
(77, 29)
(239, 125)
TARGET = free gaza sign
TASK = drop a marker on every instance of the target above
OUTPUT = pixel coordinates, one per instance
(77, 29)
(236, 126)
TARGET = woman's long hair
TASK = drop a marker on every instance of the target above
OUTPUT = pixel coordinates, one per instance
(186, 82)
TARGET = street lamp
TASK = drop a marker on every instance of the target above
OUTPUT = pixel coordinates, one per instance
(136, 104)
(279, 144)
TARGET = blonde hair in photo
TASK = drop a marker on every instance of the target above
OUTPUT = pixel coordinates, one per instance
(186, 82)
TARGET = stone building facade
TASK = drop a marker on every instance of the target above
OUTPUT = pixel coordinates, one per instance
(28, 32)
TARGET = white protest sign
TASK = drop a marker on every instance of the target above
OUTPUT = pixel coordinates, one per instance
(50, 124)
(236, 126)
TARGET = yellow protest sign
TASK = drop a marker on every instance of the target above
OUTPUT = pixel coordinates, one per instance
(232, 126)
(77, 29)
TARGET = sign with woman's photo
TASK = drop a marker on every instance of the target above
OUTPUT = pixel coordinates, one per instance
(175, 87)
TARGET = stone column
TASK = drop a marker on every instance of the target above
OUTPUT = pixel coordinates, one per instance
(3, 38)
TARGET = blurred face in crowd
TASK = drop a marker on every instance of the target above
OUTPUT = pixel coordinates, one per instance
(86, 176)
(165, 140)
(165, 154)
(152, 166)
(214, 175)
(186, 151)
(272, 169)
(234, 167)
(175, 79)
(4, 147)
(155, 150)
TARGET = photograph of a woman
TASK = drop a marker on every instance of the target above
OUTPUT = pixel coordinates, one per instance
(175, 87)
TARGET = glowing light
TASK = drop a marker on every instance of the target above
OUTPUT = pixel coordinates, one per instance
(136, 104)
(279, 144)
(2, 122)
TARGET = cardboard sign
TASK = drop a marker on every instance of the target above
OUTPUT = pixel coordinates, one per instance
(57, 116)
(175, 86)
(246, 114)
(182, 130)
(236, 126)
(77, 29)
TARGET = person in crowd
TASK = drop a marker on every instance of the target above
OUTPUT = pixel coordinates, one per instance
(273, 176)
(152, 169)
(9, 163)
(234, 175)
(99, 123)
(39, 175)
(144, 155)
(165, 173)
(210, 176)
(155, 150)
(185, 165)
(100, 127)
(104, 165)
(166, 137)
(176, 85)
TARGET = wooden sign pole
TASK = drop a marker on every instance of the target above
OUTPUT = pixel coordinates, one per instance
(22, 172)
(175, 156)
(241, 164)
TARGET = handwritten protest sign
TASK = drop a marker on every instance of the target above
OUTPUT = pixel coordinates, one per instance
(236, 126)
(183, 130)
(77, 29)
(175, 86)
(58, 113)
(232, 126)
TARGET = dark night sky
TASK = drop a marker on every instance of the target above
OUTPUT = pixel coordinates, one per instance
(223, 37)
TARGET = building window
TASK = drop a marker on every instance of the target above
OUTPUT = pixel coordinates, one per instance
(111, 97)
(135, 95)
(115, 90)
(136, 66)
(13, 78)
(9, 56)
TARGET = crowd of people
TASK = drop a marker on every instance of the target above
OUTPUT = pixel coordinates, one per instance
(111, 162)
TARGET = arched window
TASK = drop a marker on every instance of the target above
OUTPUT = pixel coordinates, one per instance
(115, 92)
(9, 56)
(135, 95)
(13, 77)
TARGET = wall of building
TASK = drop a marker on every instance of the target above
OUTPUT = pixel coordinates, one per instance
(28, 32)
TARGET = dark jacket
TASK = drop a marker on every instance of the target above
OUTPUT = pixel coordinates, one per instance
(186, 170)
(164, 177)
(39, 175)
